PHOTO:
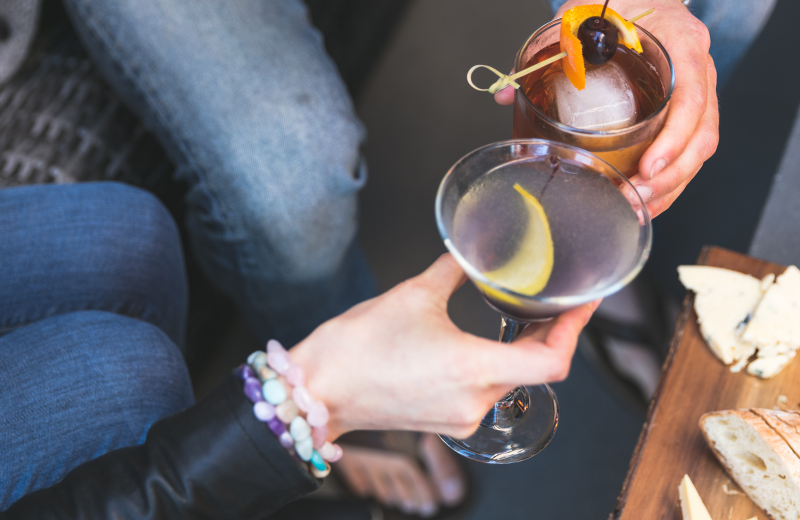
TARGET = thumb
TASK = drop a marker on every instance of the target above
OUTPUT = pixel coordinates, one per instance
(444, 276)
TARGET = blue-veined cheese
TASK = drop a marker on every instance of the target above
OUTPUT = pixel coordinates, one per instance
(775, 325)
(724, 300)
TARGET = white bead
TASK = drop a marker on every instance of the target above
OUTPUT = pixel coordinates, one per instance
(263, 411)
(304, 448)
(299, 429)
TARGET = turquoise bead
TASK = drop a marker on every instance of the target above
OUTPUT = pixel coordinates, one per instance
(274, 392)
(316, 460)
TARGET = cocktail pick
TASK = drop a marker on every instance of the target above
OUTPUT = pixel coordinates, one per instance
(506, 80)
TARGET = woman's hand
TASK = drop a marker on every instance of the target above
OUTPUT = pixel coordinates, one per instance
(691, 132)
(398, 362)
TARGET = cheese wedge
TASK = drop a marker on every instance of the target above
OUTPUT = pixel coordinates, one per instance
(723, 302)
(775, 325)
(692, 506)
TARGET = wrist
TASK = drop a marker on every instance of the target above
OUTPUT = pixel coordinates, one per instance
(322, 382)
(281, 400)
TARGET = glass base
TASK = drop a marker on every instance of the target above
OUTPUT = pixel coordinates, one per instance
(518, 427)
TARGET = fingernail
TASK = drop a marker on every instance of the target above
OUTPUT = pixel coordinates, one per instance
(407, 507)
(657, 167)
(450, 490)
(644, 192)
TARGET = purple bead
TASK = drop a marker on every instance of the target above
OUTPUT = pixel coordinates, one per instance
(252, 389)
(277, 427)
(286, 440)
(244, 372)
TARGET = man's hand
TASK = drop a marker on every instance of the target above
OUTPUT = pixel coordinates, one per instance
(691, 132)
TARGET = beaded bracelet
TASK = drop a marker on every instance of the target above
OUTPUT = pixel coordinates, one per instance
(270, 378)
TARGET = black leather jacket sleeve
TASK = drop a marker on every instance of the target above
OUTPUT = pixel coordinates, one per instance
(213, 460)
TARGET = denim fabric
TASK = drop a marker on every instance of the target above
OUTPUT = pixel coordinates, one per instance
(260, 125)
(98, 246)
(77, 377)
(733, 26)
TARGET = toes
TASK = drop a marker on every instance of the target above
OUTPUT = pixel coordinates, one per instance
(422, 490)
(445, 471)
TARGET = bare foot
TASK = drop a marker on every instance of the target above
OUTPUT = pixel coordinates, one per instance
(397, 480)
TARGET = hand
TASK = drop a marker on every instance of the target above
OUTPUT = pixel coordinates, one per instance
(691, 132)
(398, 362)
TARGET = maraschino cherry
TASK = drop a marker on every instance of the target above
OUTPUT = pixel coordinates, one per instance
(598, 38)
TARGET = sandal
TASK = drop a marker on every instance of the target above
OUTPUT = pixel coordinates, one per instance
(393, 447)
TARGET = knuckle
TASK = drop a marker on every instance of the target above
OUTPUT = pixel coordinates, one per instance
(693, 100)
(709, 144)
(699, 34)
(560, 369)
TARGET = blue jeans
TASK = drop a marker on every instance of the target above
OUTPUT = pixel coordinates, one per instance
(92, 309)
(254, 114)
(733, 26)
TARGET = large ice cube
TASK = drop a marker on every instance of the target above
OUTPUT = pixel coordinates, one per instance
(607, 102)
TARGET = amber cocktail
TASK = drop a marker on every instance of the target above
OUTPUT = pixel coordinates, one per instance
(616, 117)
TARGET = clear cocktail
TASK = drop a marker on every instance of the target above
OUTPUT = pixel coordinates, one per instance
(540, 228)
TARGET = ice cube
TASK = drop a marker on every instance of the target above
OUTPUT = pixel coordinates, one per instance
(607, 102)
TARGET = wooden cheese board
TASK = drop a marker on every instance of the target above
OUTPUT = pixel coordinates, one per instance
(692, 383)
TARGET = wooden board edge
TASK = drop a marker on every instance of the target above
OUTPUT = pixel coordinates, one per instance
(680, 327)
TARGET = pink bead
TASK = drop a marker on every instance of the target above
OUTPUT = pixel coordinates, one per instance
(303, 398)
(295, 375)
(264, 411)
(274, 345)
(318, 414)
(278, 361)
(319, 436)
(331, 452)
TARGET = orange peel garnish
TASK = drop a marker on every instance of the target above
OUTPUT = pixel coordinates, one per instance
(510, 80)
(573, 65)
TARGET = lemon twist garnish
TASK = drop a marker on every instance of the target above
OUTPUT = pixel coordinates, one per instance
(529, 270)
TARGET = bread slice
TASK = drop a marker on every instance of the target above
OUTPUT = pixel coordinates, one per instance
(757, 448)
(723, 302)
(775, 326)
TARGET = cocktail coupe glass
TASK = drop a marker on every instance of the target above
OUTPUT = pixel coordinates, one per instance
(622, 148)
(601, 236)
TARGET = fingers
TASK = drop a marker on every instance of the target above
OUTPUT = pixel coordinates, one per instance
(702, 145)
(688, 104)
(662, 204)
(444, 276)
(505, 96)
(530, 361)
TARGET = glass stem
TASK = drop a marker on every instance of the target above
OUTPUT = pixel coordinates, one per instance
(509, 329)
(510, 407)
